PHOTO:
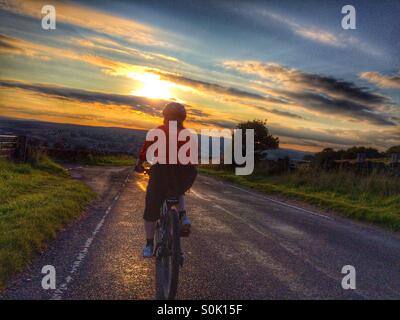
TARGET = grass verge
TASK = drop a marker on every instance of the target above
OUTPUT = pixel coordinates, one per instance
(36, 201)
(374, 198)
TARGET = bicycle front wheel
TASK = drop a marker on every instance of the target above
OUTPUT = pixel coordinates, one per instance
(169, 263)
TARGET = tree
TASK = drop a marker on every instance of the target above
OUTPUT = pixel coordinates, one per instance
(325, 158)
(263, 140)
(371, 153)
(394, 149)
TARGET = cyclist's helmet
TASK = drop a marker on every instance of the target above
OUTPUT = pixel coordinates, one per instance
(174, 111)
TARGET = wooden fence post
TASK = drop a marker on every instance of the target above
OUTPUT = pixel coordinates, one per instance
(361, 157)
(20, 150)
(395, 157)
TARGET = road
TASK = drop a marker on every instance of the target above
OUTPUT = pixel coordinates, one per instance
(244, 245)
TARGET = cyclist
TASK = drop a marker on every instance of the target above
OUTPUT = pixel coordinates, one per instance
(166, 179)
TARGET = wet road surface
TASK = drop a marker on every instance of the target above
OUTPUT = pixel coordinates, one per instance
(244, 245)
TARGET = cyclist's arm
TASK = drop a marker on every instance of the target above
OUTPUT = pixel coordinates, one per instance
(142, 156)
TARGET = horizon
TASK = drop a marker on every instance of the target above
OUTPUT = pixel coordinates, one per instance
(317, 84)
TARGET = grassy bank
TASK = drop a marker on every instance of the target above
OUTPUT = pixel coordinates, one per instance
(374, 198)
(36, 201)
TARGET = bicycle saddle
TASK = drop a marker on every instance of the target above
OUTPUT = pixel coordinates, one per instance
(172, 200)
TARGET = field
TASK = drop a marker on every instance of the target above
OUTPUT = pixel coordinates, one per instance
(374, 198)
(36, 201)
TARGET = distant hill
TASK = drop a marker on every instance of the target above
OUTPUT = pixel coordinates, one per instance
(281, 153)
(118, 140)
(71, 136)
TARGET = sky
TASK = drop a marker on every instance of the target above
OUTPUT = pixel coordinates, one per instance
(116, 63)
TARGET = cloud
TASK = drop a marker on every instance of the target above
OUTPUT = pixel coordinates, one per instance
(14, 46)
(307, 31)
(340, 107)
(214, 88)
(106, 44)
(336, 138)
(196, 112)
(136, 103)
(286, 114)
(11, 45)
(152, 107)
(383, 81)
(295, 79)
(320, 93)
(118, 68)
(114, 67)
(316, 33)
(319, 36)
(278, 112)
(227, 124)
(6, 44)
(90, 18)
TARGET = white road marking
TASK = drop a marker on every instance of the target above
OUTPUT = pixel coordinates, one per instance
(83, 253)
(282, 203)
(196, 194)
(250, 225)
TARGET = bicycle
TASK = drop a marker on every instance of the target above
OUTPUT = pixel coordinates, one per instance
(169, 257)
(167, 249)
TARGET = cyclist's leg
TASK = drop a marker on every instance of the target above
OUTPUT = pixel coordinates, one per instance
(154, 199)
(182, 203)
(187, 175)
(149, 228)
(185, 222)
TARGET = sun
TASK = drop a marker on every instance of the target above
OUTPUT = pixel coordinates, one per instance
(152, 86)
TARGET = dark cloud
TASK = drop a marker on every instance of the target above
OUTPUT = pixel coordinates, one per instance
(336, 97)
(215, 88)
(278, 112)
(337, 138)
(331, 85)
(290, 78)
(149, 106)
(142, 104)
(284, 113)
(5, 43)
(317, 92)
(337, 106)
(31, 112)
(228, 124)
(196, 112)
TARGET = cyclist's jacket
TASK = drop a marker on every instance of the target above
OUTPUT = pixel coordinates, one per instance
(179, 144)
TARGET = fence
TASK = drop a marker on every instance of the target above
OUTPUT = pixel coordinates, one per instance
(13, 147)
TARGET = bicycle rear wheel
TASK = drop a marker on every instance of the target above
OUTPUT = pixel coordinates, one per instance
(167, 265)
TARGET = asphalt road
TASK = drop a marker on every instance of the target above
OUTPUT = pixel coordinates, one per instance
(244, 245)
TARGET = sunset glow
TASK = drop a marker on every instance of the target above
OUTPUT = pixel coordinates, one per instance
(317, 84)
(151, 86)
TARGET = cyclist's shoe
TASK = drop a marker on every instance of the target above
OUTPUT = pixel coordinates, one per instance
(185, 224)
(148, 251)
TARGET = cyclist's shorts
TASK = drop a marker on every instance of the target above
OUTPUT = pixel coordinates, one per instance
(166, 180)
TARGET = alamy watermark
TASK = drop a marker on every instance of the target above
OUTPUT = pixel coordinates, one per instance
(349, 280)
(349, 20)
(49, 280)
(49, 20)
(235, 150)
